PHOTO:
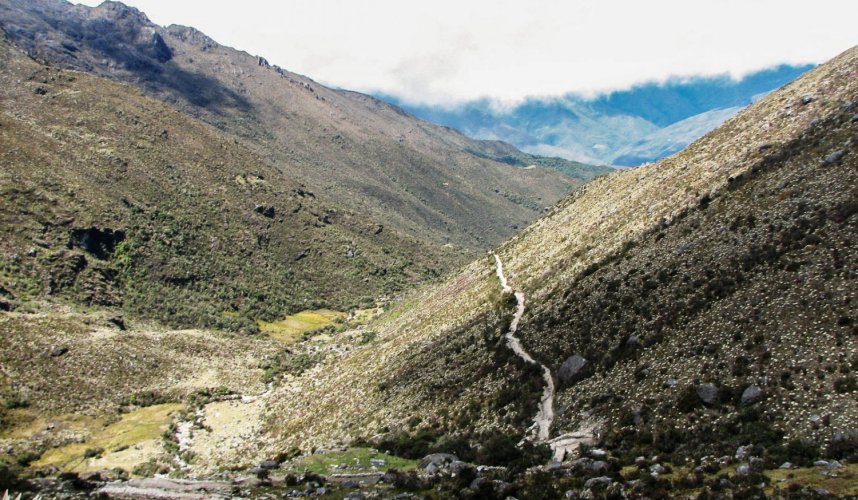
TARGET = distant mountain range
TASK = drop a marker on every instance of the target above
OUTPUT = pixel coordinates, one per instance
(623, 128)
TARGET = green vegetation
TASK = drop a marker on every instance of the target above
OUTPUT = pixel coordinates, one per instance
(294, 327)
(353, 460)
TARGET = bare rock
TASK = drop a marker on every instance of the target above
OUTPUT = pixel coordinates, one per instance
(707, 393)
(573, 368)
(751, 395)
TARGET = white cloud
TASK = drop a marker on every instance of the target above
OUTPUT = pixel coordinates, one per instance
(452, 50)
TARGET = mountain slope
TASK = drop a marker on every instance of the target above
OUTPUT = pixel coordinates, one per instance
(672, 138)
(112, 198)
(726, 266)
(352, 149)
(601, 130)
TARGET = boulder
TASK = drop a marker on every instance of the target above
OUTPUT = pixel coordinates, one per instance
(707, 393)
(834, 157)
(573, 368)
(433, 463)
(59, 351)
(742, 452)
(599, 467)
(751, 395)
(757, 464)
(598, 481)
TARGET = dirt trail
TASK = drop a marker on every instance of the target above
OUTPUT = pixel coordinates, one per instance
(545, 416)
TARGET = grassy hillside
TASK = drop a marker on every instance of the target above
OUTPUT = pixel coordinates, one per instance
(358, 152)
(726, 266)
(112, 198)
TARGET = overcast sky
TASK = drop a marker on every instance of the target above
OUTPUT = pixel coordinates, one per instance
(447, 51)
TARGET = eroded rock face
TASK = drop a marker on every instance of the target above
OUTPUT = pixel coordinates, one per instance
(99, 242)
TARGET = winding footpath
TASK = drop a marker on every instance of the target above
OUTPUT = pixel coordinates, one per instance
(545, 416)
(566, 444)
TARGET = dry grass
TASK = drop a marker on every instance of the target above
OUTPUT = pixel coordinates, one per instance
(133, 440)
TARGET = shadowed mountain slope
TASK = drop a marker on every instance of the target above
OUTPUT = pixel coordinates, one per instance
(360, 153)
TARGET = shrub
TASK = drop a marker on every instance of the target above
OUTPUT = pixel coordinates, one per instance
(846, 384)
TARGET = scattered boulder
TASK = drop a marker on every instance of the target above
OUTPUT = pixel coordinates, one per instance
(599, 467)
(573, 368)
(786, 465)
(269, 464)
(598, 481)
(707, 393)
(59, 351)
(757, 464)
(658, 469)
(807, 99)
(438, 460)
(834, 157)
(751, 395)
(378, 229)
(304, 253)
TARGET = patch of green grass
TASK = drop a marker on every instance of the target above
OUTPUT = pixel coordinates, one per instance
(354, 459)
(293, 327)
(842, 486)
